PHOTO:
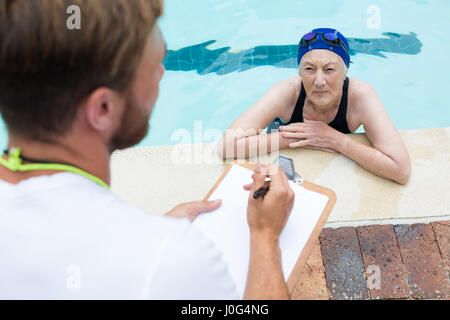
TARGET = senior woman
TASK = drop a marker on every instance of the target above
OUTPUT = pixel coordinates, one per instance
(318, 108)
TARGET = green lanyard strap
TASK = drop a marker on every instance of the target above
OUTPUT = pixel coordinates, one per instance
(14, 163)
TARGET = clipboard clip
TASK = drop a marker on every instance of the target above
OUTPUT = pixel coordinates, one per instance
(287, 165)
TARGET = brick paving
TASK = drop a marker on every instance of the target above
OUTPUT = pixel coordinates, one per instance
(427, 276)
(343, 264)
(387, 277)
(378, 262)
(442, 232)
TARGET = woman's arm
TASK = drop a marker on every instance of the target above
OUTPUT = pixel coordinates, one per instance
(388, 157)
(242, 139)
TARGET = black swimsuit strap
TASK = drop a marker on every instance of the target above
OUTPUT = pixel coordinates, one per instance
(297, 115)
(340, 121)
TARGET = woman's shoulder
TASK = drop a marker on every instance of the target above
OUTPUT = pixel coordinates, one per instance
(358, 89)
(297, 79)
(359, 92)
(291, 87)
(363, 100)
(295, 82)
(282, 97)
(291, 84)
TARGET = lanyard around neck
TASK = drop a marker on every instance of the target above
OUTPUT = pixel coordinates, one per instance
(14, 163)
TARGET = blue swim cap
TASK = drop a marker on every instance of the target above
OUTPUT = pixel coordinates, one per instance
(339, 46)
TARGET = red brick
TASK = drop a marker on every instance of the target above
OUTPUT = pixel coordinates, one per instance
(344, 267)
(310, 283)
(426, 272)
(442, 233)
(386, 275)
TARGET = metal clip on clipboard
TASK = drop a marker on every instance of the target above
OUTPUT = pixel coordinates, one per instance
(287, 165)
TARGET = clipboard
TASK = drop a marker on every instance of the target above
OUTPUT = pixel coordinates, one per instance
(304, 255)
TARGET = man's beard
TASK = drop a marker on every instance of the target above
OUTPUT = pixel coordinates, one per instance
(133, 128)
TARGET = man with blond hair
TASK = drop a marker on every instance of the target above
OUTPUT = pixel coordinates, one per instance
(70, 98)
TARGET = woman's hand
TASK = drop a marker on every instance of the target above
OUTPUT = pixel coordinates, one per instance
(191, 210)
(315, 135)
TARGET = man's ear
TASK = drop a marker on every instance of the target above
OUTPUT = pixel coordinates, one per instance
(103, 109)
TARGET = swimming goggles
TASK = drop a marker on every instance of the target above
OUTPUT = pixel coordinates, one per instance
(329, 38)
(14, 163)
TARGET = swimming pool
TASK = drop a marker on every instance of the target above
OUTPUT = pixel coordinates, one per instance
(225, 54)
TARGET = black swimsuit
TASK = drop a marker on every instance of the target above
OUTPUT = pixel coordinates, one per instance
(339, 122)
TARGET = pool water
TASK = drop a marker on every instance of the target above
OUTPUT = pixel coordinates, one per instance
(224, 55)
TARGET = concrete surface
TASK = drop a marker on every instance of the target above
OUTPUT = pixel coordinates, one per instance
(156, 179)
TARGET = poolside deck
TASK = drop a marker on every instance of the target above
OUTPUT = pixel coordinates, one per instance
(368, 210)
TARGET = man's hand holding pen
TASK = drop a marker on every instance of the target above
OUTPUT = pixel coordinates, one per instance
(268, 210)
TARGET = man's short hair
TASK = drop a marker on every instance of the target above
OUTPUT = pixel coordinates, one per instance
(47, 69)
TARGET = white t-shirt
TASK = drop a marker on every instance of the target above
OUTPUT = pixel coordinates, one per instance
(64, 237)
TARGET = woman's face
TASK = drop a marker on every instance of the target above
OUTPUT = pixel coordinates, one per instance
(323, 73)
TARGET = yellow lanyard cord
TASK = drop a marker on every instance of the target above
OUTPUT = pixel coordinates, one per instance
(14, 163)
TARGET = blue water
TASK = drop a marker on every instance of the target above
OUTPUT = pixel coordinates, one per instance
(221, 61)
(224, 55)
